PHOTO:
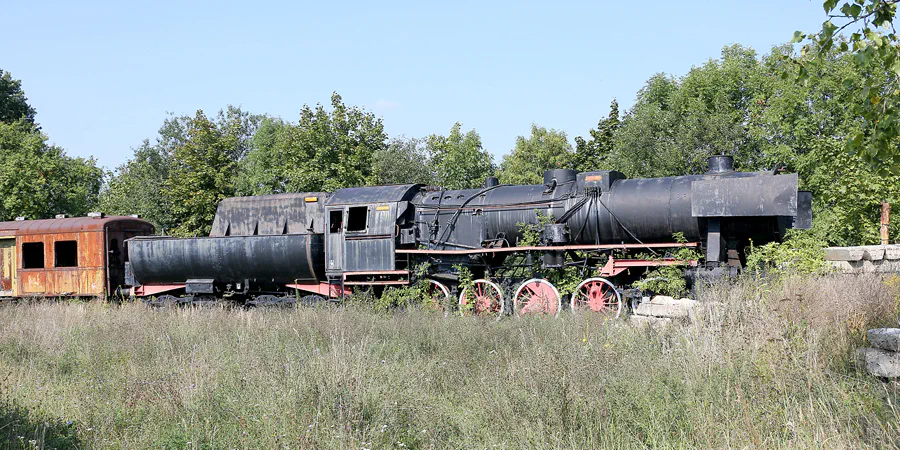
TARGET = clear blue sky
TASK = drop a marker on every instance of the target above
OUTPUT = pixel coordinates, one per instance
(102, 75)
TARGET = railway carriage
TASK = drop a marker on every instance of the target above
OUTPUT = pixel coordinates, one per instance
(66, 256)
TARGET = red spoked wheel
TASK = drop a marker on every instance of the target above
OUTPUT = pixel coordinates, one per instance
(483, 298)
(597, 295)
(438, 295)
(537, 296)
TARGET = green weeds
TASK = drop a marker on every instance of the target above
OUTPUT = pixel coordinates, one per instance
(757, 368)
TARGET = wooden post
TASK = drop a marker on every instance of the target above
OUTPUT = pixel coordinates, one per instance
(885, 221)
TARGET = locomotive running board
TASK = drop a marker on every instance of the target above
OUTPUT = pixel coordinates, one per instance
(478, 251)
(615, 266)
(154, 289)
(325, 289)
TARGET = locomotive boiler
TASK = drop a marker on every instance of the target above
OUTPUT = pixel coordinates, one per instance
(494, 248)
(722, 209)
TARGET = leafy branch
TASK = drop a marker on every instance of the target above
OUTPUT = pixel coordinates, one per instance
(875, 47)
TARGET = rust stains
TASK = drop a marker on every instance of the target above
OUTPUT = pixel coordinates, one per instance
(79, 256)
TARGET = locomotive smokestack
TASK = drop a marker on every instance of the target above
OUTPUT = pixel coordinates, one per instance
(491, 182)
(720, 164)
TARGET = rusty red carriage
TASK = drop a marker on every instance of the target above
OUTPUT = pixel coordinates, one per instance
(67, 256)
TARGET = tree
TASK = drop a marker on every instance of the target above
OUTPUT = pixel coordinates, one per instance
(137, 187)
(875, 47)
(805, 126)
(323, 151)
(13, 103)
(38, 181)
(203, 168)
(676, 124)
(22, 182)
(458, 160)
(593, 154)
(404, 161)
(544, 149)
(73, 184)
(740, 105)
(177, 182)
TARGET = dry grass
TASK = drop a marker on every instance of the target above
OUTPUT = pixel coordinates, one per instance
(767, 366)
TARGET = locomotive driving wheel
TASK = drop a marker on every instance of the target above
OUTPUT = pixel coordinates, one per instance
(483, 298)
(438, 295)
(597, 295)
(537, 296)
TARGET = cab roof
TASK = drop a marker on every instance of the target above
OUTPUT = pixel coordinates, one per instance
(373, 194)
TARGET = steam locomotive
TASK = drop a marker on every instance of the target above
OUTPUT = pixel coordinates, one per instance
(491, 250)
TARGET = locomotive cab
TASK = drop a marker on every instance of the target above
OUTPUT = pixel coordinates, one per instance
(365, 227)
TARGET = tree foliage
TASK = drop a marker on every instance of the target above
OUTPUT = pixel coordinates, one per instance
(137, 187)
(676, 124)
(544, 149)
(458, 160)
(322, 151)
(741, 106)
(404, 161)
(204, 167)
(38, 180)
(177, 182)
(874, 45)
(594, 153)
(13, 103)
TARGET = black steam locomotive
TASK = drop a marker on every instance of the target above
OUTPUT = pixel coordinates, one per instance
(491, 250)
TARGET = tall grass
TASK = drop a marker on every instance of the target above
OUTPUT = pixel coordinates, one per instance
(760, 366)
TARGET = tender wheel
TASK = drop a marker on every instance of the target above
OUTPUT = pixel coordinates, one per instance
(263, 300)
(482, 298)
(537, 296)
(272, 301)
(312, 300)
(438, 295)
(200, 301)
(597, 295)
(162, 301)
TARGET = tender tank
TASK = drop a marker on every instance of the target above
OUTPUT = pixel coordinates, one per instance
(268, 240)
(233, 259)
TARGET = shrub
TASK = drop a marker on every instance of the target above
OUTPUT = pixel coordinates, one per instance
(799, 254)
(669, 280)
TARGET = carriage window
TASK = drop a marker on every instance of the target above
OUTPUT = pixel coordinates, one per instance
(357, 216)
(33, 255)
(335, 221)
(66, 253)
